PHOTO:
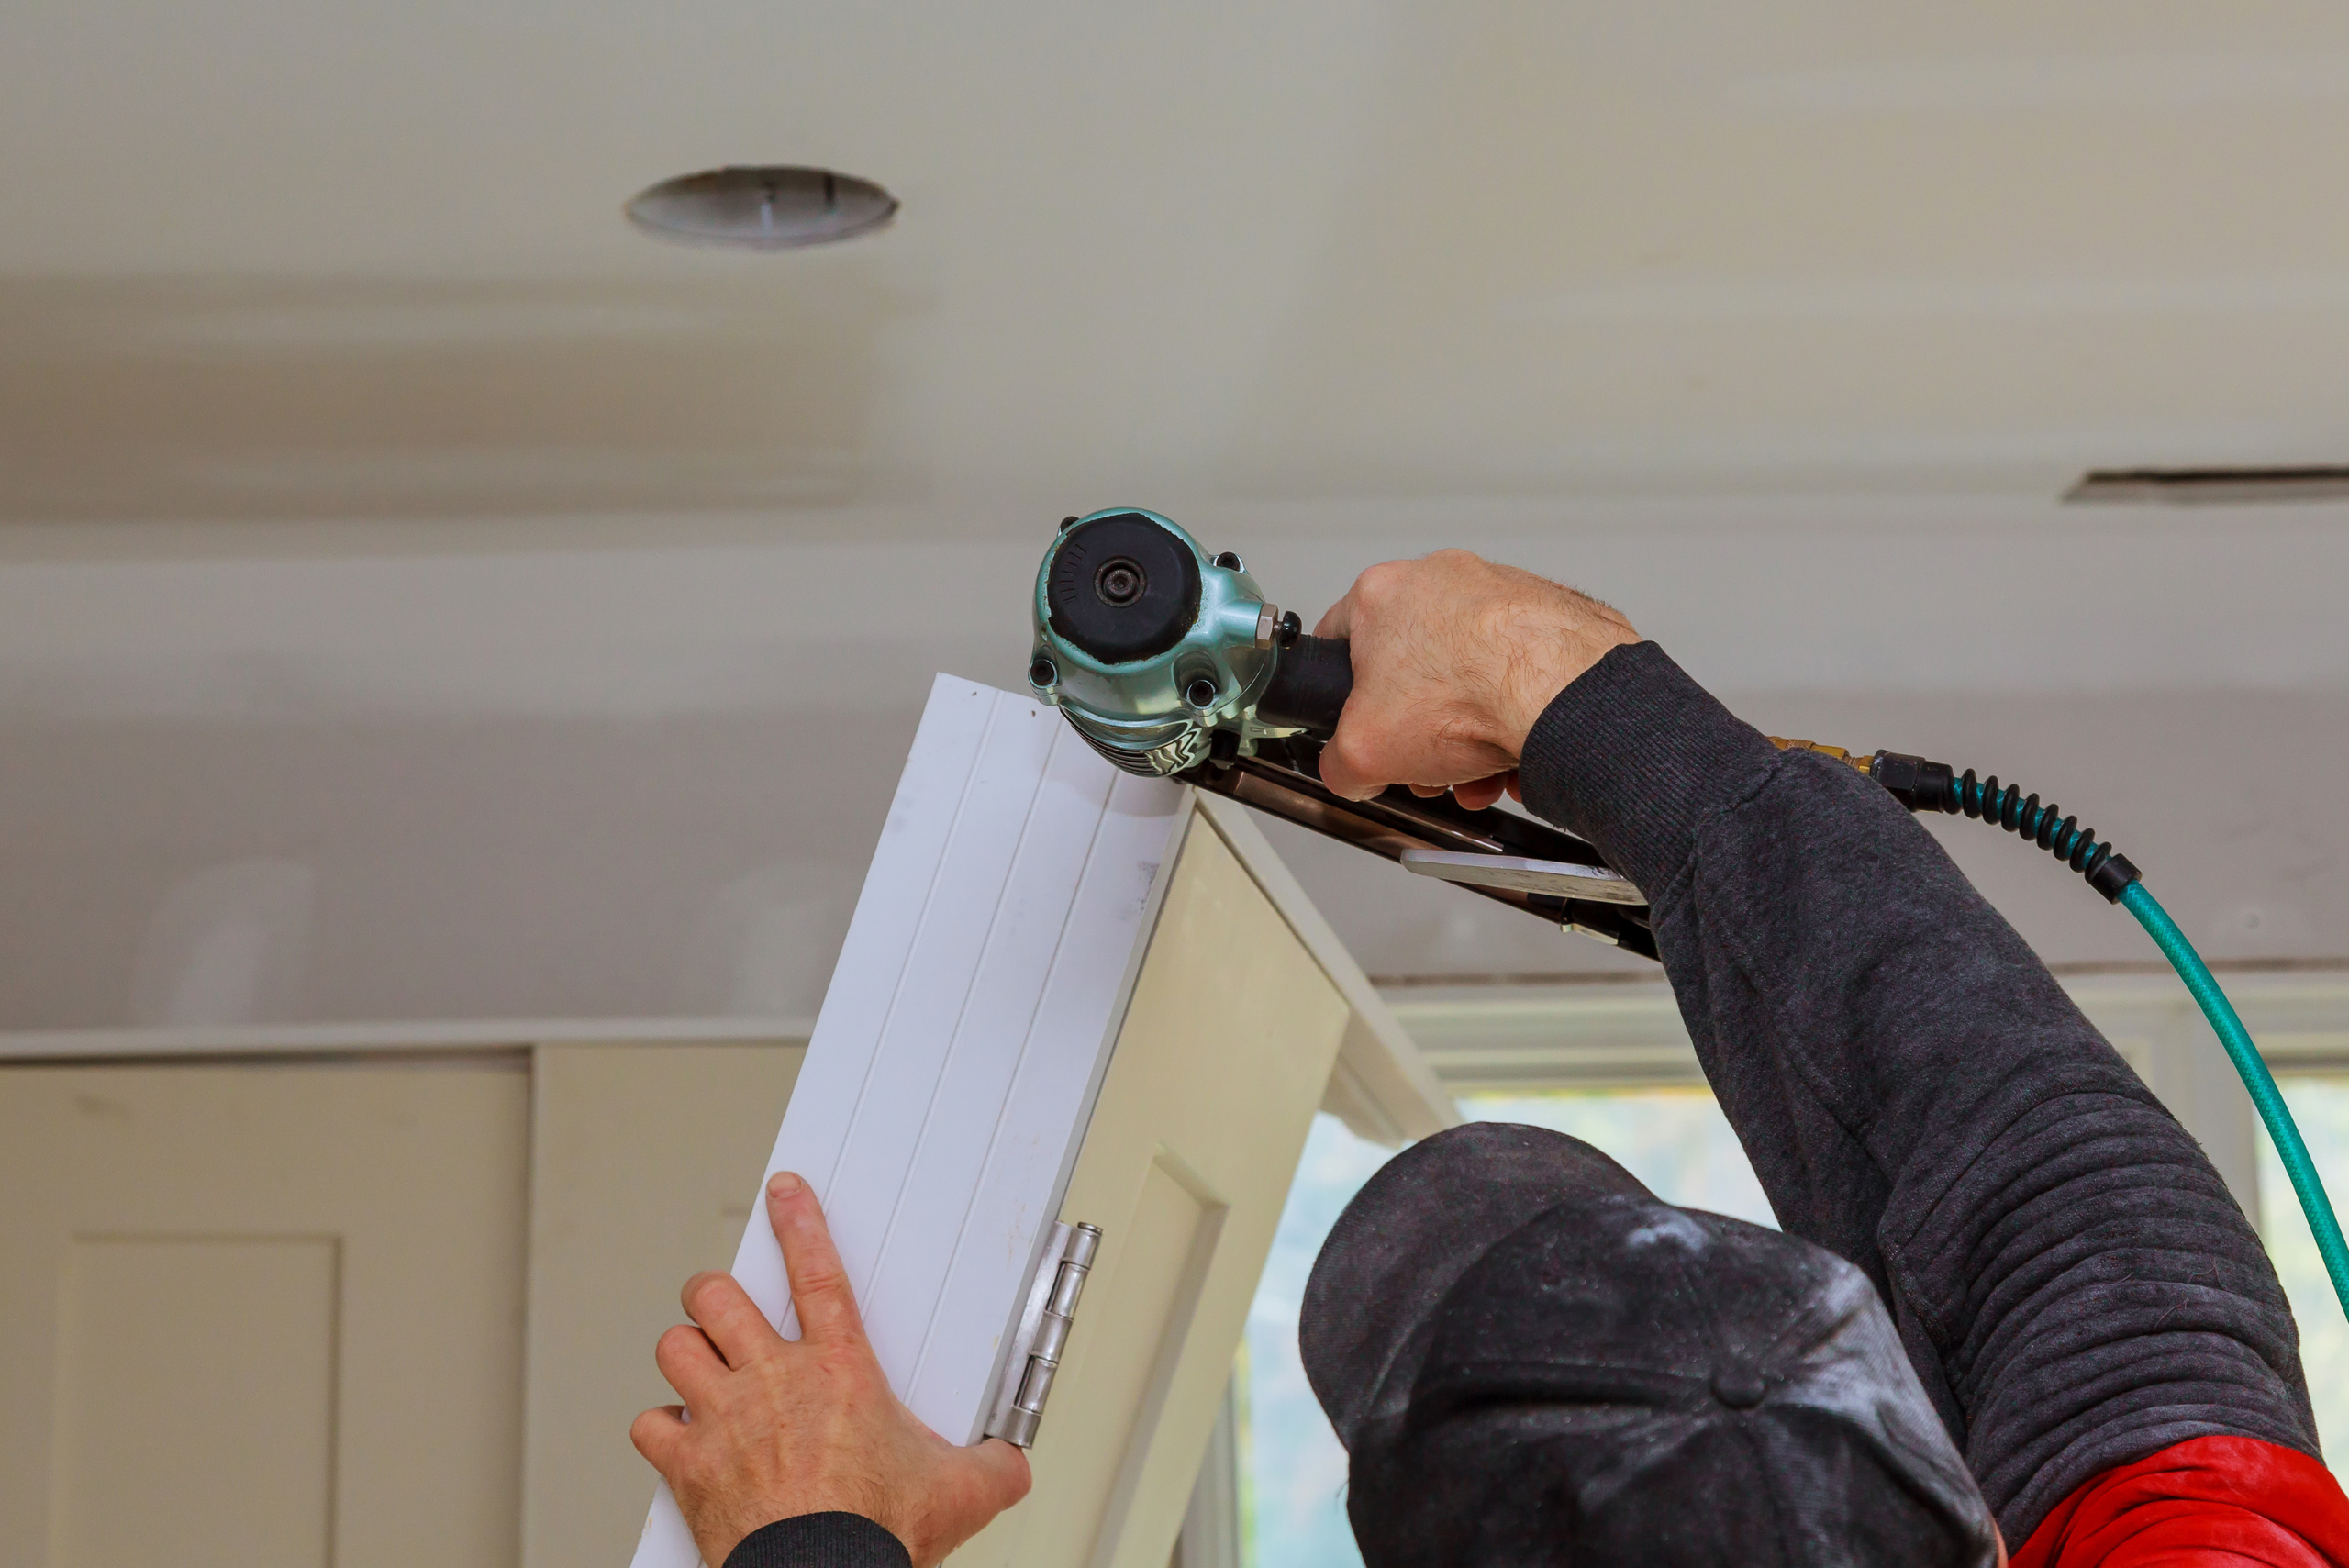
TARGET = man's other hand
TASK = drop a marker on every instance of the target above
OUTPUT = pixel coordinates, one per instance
(782, 1427)
(1454, 658)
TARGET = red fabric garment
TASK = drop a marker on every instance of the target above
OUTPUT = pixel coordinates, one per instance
(2205, 1502)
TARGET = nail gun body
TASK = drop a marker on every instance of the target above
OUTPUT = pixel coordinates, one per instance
(1171, 662)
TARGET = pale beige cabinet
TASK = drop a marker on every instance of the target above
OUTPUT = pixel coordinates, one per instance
(397, 1310)
(261, 1315)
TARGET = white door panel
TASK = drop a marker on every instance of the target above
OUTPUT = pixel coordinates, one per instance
(961, 1040)
(1066, 992)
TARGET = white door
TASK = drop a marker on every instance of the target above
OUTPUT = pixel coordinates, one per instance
(1066, 991)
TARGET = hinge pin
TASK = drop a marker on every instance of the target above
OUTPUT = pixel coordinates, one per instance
(1038, 1361)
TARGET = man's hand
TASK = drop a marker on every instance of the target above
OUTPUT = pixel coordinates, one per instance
(1454, 658)
(782, 1427)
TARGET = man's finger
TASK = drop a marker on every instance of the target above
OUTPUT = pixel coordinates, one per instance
(1478, 793)
(820, 1287)
(690, 1362)
(727, 1315)
(657, 1435)
(1338, 621)
(1342, 771)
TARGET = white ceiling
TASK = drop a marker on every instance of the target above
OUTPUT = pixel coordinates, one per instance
(400, 551)
(283, 260)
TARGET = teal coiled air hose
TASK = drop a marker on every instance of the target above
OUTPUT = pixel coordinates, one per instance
(1923, 785)
(2306, 1186)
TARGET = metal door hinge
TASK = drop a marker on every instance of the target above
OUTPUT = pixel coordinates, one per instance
(1044, 1323)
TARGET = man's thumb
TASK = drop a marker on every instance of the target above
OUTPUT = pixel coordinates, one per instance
(1001, 1471)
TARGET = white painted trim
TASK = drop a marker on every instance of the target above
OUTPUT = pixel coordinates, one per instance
(1597, 1035)
(313, 1040)
(1478, 1037)
(1382, 1087)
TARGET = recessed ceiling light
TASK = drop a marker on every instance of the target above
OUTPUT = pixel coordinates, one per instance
(2211, 486)
(776, 207)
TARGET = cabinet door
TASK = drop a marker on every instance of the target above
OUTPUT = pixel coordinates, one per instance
(1222, 1059)
(1066, 991)
(643, 1170)
(262, 1316)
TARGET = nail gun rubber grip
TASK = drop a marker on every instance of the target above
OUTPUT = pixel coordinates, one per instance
(1310, 684)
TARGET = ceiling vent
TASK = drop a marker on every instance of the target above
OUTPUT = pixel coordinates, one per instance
(2209, 486)
(766, 208)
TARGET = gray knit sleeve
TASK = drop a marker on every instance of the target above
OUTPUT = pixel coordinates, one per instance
(2074, 1285)
(821, 1541)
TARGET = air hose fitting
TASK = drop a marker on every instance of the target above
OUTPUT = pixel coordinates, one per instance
(1936, 787)
(1923, 785)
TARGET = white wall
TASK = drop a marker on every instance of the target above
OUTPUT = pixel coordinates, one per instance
(644, 782)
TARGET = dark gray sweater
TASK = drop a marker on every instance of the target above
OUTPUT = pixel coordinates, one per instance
(821, 1541)
(2072, 1279)
(2074, 1285)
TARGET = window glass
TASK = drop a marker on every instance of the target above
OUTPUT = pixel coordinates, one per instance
(2321, 1108)
(1293, 1473)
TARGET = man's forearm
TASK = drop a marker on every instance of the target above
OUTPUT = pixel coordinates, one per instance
(2071, 1279)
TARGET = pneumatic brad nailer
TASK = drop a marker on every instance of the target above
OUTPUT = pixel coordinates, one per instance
(1172, 662)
